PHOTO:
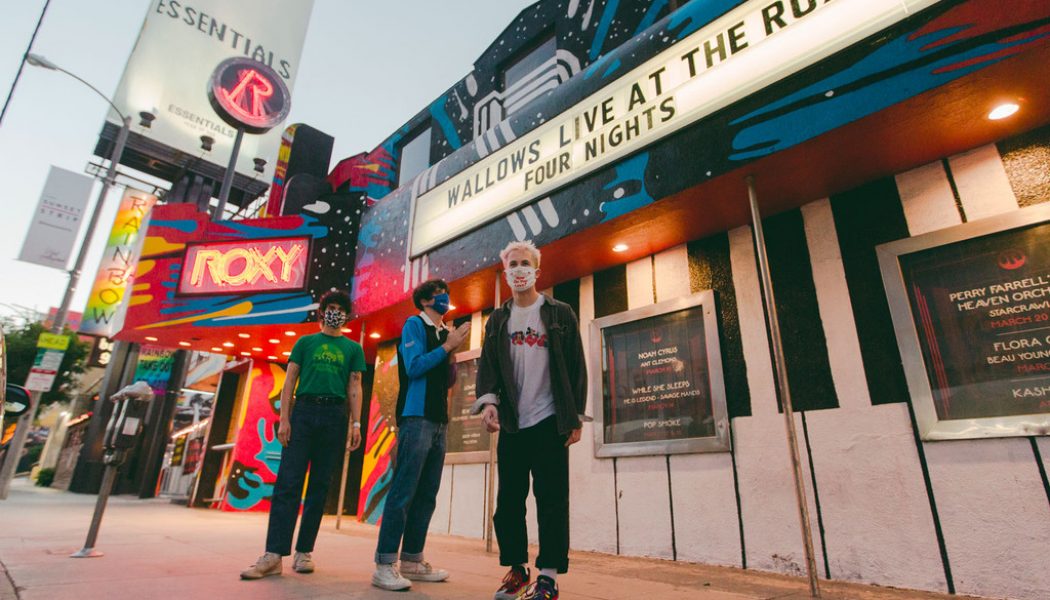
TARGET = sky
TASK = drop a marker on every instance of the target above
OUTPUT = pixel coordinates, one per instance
(366, 68)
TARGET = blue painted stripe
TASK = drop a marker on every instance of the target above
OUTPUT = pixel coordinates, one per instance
(437, 110)
(650, 16)
(603, 28)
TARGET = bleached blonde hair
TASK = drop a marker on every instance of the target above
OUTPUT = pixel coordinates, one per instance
(527, 246)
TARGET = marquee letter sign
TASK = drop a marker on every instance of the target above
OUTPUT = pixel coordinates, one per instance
(245, 266)
(248, 95)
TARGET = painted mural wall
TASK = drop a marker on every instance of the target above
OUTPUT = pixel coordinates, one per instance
(381, 438)
(598, 45)
(257, 455)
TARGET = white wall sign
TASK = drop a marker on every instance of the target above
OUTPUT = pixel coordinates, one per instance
(59, 213)
(740, 53)
(51, 348)
(181, 43)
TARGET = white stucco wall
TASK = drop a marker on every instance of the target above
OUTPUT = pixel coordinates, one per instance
(878, 523)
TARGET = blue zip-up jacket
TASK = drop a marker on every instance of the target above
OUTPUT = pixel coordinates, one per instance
(423, 371)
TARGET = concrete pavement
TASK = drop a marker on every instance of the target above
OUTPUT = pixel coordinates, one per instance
(155, 549)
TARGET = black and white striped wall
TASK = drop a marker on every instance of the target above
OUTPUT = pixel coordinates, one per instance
(967, 517)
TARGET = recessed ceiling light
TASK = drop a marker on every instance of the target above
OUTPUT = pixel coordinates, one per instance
(228, 344)
(619, 248)
(1003, 110)
(271, 358)
(345, 330)
(184, 344)
(246, 353)
(274, 341)
(257, 349)
(150, 338)
(286, 353)
(216, 349)
(289, 333)
(243, 336)
(374, 335)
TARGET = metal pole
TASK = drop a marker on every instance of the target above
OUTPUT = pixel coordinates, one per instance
(107, 182)
(108, 478)
(7, 472)
(227, 178)
(785, 392)
(346, 455)
(490, 508)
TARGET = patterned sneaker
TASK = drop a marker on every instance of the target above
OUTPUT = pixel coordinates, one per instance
(422, 571)
(545, 588)
(514, 582)
(386, 577)
(303, 562)
(268, 564)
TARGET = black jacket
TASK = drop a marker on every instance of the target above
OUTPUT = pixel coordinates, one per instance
(568, 371)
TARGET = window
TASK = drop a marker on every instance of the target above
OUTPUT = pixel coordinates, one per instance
(415, 156)
(521, 66)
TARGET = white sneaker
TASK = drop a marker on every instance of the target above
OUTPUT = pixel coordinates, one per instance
(386, 577)
(268, 564)
(422, 571)
(303, 562)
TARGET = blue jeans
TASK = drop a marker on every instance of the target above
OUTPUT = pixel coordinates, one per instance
(318, 441)
(413, 492)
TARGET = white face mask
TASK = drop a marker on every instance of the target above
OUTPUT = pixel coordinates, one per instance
(520, 278)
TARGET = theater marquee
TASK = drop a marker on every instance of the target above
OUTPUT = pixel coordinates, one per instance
(747, 49)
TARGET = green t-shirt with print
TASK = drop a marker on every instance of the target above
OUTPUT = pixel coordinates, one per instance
(325, 363)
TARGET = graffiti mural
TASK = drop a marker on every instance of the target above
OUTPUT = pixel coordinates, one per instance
(257, 455)
(380, 439)
(331, 227)
(154, 367)
(607, 40)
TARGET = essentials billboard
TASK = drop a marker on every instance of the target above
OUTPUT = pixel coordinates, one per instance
(179, 46)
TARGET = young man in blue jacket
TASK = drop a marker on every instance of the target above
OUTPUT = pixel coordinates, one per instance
(422, 417)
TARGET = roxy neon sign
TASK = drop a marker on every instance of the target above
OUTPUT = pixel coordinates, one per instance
(245, 266)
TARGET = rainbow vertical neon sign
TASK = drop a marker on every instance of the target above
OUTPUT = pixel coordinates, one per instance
(104, 313)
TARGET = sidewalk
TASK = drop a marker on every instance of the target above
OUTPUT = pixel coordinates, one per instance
(155, 549)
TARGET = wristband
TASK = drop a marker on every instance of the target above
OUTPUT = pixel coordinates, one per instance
(357, 425)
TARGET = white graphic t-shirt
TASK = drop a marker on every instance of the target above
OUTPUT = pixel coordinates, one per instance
(529, 351)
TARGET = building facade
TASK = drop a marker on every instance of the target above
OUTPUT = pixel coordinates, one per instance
(621, 137)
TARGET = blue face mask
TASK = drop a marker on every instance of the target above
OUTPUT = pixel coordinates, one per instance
(441, 303)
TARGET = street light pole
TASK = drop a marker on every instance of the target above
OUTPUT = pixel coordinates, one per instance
(24, 422)
(107, 183)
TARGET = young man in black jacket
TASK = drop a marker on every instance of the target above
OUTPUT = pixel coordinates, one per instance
(532, 388)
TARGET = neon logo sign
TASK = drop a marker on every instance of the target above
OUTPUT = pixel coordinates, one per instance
(252, 86)
(245, 266)
(248, 95)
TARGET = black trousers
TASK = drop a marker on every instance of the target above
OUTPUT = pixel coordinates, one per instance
(318, 439)
(540, 451)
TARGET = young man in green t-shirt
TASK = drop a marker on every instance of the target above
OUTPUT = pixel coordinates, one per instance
(313, 430)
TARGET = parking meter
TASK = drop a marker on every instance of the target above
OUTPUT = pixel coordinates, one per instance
(125, 424)
(122, 430)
